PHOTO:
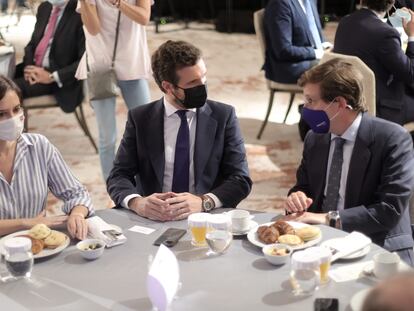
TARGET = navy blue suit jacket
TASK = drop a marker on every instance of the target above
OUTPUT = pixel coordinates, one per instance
(379, 185)
(378, 45)
(289, 42)
(220, 164)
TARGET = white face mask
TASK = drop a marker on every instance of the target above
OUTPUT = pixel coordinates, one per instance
(12, 128)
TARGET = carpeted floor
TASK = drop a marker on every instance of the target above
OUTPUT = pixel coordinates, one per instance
(234, 77)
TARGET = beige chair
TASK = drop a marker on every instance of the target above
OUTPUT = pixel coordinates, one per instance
(369, 78)
(49, 101)
(273, 87)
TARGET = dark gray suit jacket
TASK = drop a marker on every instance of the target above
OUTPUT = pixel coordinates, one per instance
(220, 164)
(378, 45)
(379, 185)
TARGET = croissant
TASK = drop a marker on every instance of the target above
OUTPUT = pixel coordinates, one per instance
(268, 234)
(283, 227)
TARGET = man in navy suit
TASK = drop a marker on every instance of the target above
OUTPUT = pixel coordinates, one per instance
(183, 153)
(294, 39)
(378, 45)
(355, 167)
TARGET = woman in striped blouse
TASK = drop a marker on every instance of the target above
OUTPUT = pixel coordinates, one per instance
(30, 166)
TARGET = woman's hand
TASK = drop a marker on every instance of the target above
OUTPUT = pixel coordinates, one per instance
(77, 225)
(53, 221)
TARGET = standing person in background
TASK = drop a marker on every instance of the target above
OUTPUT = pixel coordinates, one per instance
(132, 62)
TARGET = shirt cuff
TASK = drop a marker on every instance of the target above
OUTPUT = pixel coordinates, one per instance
(217, 202)
(57, 79)
(318, 53)
(128, 198)
(410, 39)
(327, 45)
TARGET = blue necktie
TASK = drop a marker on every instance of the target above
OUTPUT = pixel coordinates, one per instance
(312, 24)
(334, 180)
(181, 174)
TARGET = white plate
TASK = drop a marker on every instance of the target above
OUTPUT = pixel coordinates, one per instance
(254, 239)
(368, 270)
(252, 225)
(358, 299)
(118, 229)
(333, 242)
(46, 252)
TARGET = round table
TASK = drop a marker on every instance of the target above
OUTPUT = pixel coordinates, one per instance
(240, 279)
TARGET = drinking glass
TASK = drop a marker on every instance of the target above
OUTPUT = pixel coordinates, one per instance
(197, 224)
(219, 234)
(304, 276)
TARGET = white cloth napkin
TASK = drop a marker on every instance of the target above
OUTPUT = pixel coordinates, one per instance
(96, 226)
(6, 49)
(350, 244)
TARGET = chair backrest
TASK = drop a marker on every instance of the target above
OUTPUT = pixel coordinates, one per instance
(259, 28)
(369, 78)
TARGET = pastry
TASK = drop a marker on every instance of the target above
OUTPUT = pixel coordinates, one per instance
(55, 239)
(308, 233)
(290, 239)
(37, 245)
(39, 232)
(283, 227)
(268, 234)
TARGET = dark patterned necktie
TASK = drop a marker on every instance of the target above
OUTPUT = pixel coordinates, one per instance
(334, 180)
(181, 174)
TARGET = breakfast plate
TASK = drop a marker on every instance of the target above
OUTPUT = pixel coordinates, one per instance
(252, 225)
(332, 243)
(253, 238)
(46, 252)
(357, 301)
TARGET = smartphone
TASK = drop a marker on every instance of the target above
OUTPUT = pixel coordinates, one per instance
(326, 304)
(170, 237)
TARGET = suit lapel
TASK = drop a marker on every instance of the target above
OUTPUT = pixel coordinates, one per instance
(319, 166)
(204, 141)
(303, 19)
(63, 20)
(360, 158)
(154, 140)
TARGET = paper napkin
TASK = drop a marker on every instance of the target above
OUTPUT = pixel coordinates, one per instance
(96, 230)
(352, 243)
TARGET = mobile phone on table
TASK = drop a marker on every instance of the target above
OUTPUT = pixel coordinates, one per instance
(170, 237)
(326, 304)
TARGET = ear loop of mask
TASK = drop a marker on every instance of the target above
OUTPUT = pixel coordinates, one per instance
(336, 114)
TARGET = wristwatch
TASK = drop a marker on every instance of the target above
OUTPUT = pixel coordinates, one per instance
(52, 77)
(333, 219)
(207, 203)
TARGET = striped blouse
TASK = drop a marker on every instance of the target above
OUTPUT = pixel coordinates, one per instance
(38, 167)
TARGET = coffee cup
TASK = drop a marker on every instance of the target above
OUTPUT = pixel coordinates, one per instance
(240, 220)
(386, 265)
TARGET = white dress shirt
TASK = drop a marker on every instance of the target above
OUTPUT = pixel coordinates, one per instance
(350, 136)
(302, 4)
(172, 124)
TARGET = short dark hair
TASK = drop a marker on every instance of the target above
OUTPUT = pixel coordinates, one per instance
(170, 57)
(379, 5)
(337, 77)
(6, 85)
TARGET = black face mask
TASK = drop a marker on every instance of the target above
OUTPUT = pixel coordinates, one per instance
(195, 97)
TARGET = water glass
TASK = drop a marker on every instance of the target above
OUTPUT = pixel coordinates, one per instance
(219, 234)
(304, 276)
(18, 257)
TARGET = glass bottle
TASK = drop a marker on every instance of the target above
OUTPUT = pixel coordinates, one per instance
(19, 257)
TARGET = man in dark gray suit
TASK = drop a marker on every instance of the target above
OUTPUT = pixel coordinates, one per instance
(364, 34)
(354, 166)
(183, 153)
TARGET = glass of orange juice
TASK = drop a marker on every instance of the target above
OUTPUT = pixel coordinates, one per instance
(325, 256)
(197, 223)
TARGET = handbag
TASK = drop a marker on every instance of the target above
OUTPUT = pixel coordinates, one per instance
(104, 83)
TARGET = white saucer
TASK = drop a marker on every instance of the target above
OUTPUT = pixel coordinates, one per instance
(252, 225)
(358, 299)
(368, 270)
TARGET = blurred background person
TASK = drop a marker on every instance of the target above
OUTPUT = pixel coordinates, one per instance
(30, 166)
(52, 55)
(132, 62)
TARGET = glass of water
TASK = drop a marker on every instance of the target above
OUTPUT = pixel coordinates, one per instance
(219, 234)
(304, 276)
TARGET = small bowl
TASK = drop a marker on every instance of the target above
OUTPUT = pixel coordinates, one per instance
(276, 259)
(91, 254)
